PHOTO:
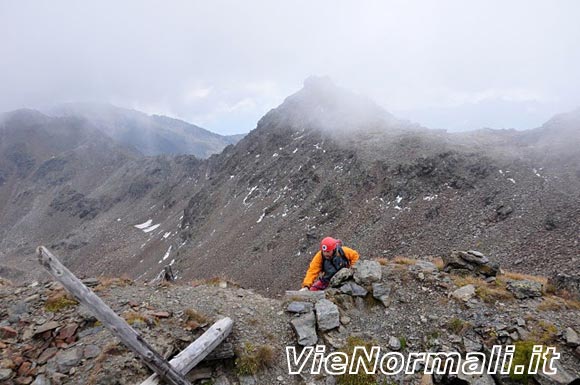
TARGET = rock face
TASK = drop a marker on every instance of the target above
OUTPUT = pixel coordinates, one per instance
(327, 315)
(366, 272)
(525, 289)
(469, 262)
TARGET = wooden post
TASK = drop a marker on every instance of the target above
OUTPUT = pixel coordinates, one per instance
(198, 349)
(109, 319)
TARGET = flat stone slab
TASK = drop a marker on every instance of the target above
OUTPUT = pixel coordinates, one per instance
(353, 289)
(305, 295)
(382, 292)
(305, 328)
(327, 315)
(300, 307)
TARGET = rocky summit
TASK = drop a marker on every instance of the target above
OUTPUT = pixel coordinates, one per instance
(46, 337)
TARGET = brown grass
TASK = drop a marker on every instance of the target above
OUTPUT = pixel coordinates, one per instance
(383, 261)
(544, 333)
(133, 317)
(458, 326)
(555, 303)
(400, 260)
(487, 292)
(108, 282)
(59, 300)
(491, 294)
(468, 280)
(438, 261)
(252, 359)
(194, 319)
(521, 277)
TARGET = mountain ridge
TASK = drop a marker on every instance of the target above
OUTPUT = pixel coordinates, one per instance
(386, 187)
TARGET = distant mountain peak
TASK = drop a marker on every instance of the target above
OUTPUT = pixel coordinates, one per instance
(321, 104)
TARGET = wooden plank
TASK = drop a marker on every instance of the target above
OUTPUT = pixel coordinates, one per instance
(198, 349)
(304, 295)
(224, 351)
(109, 319)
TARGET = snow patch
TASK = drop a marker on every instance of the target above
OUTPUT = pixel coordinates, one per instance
(166, 235)
(250, 193)
(430, 197)
(274, 155)
(261, 217)
(166, 254)
(512, 180)
(295, 150)
(151, 228)
(398, 199)
(144, 224)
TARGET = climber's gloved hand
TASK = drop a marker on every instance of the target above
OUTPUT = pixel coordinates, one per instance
(303, 289)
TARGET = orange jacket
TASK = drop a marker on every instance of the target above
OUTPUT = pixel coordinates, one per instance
(316, 265)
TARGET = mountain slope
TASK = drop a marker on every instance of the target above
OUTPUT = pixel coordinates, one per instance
(327, 162)
(150, 135)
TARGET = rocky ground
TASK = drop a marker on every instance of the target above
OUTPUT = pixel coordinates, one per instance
(406, 305)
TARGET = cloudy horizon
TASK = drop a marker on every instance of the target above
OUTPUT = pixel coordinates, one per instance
(222, 65)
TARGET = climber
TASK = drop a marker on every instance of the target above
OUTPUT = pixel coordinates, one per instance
(331, 257)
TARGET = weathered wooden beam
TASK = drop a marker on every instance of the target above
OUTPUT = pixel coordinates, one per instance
(224, 351)
(198, 349)
(109, 319)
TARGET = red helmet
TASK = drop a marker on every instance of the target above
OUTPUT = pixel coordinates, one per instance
(328, 244)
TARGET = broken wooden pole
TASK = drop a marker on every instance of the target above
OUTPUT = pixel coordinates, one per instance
(198, 349)
(110, 319)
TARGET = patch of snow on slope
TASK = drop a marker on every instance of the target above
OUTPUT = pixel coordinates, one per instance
(144, 224)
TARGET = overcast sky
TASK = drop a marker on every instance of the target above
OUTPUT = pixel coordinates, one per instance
(224, 64)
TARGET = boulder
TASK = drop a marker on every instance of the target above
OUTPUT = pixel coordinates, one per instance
(561, 377)
(394, 343)
(425, 266)
(327, 315)
(382, 292)
(571, 337)
(353, 289)
(305, 328)
(464, 293)
(567, 283)
(5, 374)
(470, 262)
(525, 289)
(367, 272)
(68, 359)
(341, 276)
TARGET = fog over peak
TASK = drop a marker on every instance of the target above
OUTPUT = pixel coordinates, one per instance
(222, 65)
